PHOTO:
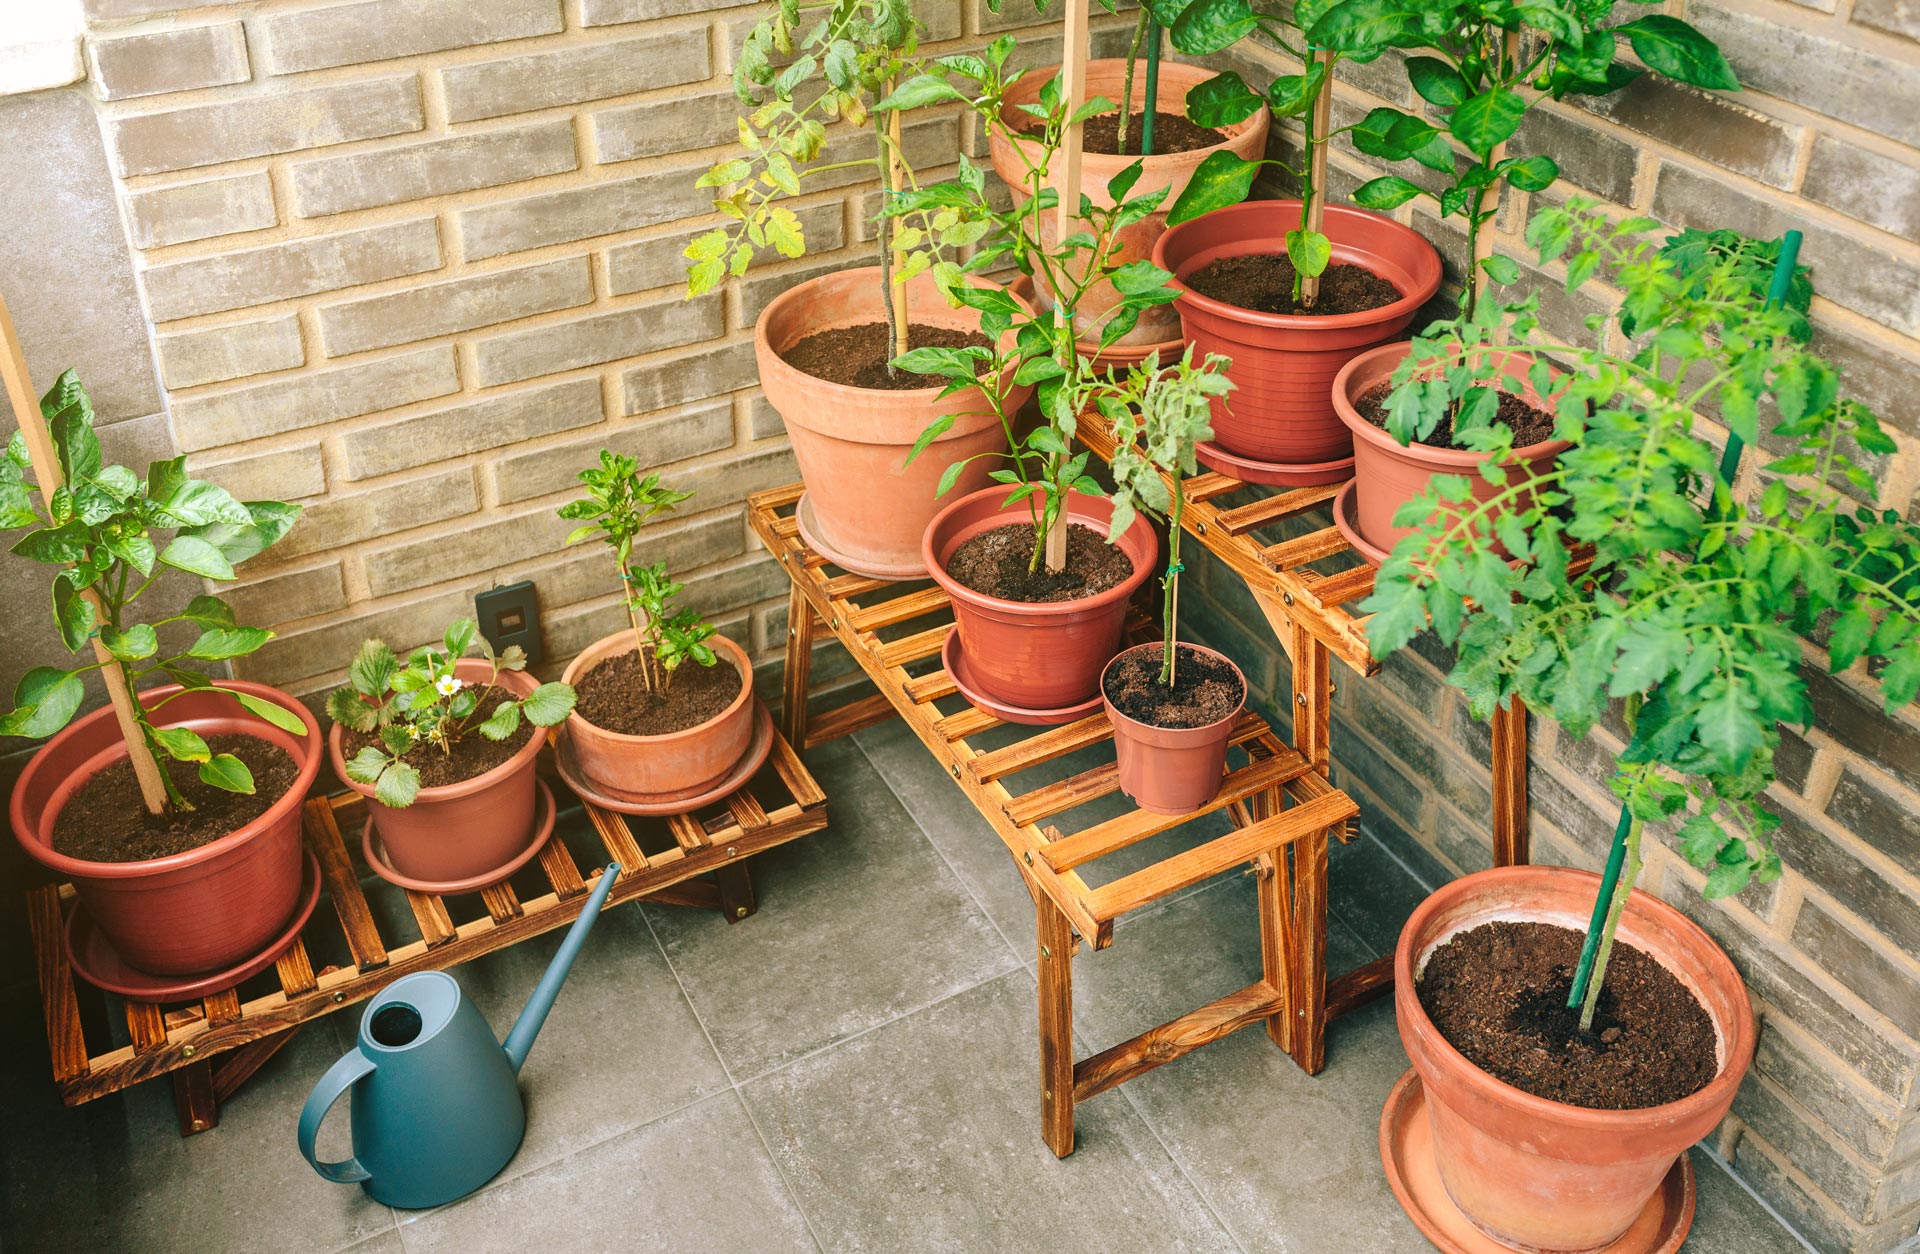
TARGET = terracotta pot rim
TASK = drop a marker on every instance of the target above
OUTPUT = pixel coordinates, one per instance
(1428, 276)
(1152, 161)
(295, 796)
(1379, 438)
(511, 680)
(1116, 715)
(734, 653)
(1737, 1036)
(1121, 591)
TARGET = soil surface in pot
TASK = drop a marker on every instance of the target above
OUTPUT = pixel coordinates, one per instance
(1263, 282)
(1171, 133)
(994, 563)
(1498, 994)
(857, 356)
(470, 756)
(1205, 689)
(106, 821)
(1530, 424)
(614, 696)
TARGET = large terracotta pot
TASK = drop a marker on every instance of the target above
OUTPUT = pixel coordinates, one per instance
(1036, 656)
(1173, 171)
(460, 831)
(1386, 473)
(1281, 410)
(865, 507)
(692, 758)
(204, 910)
(1534, 1173)
(1171, 770)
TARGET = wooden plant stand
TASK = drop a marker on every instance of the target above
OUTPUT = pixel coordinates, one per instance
(704, 865)
(1284, 811)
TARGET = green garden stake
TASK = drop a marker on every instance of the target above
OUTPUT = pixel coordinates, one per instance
(1152, 98)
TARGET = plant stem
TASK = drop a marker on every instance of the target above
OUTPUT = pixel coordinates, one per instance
(1615, 908)
(1150, 105)
(1126, 90)
(1313, 198)
(885, 236)
(1171, 617)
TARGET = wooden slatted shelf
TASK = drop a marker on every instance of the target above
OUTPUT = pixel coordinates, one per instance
(703, 864)
(1283, 809)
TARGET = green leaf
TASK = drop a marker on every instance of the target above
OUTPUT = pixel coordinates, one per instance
(239, 541)
(1222, 100)
(272, 711)
(1364, 25)
(224, 771)
(136, 642)
(365, 766)
(226, 642)
(1487, 119)
(1437, 82)
(209, 611)
(503, 722)
(195, 503)
(459, 637)
(372, 668)
(1210, 26)
(548, 705)
(1500, 269)
(182, 744)
(1849, 637)
(1221, 179)
(349, 709)
(1679, 51)
(44, 701)
(1725, 880)
(1532, 174)
(1310, 251)
(197, 557)
(1386, 192)
(73, 612)
(398, 785)
(916, 92)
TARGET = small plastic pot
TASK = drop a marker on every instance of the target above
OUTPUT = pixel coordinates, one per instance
(692, 758)
(1171, 770)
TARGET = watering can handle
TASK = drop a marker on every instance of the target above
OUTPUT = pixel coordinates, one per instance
(339, 1078)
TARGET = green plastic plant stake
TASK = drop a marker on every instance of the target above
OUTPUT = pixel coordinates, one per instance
(1776, 294)
(1152, 98)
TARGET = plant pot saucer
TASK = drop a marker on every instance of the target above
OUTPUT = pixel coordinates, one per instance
(661, 805)
(1274, 474)
(543, 813)
(1343, 518)
(955, 662)
(1406, 1150)
(810, 532)
(95, 960)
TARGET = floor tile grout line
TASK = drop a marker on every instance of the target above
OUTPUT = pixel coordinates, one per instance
(687, 997)
(773, 1160)
(1179, 1164)
(1764, 1204)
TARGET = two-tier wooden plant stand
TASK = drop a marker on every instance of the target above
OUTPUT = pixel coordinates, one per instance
(211, 1046)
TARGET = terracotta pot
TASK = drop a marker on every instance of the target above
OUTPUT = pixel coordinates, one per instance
(1281, 410)
(458, 831)
(864, 503)
(692, 758)
(1247, 139)
(203, 910)
(1534, 1173)
(1387, 473)
(1036, 656)
(1171, 770)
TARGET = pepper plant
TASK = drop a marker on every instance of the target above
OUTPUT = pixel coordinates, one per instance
(101, 528)
(1693, 610)
(425, 705)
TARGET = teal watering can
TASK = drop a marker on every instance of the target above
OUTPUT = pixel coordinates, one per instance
(436, 1108)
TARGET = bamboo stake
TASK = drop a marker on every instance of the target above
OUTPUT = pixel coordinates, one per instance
(1073, 92)
(46, 469)
(1316, 209)
(1152, 103)
(896, 178)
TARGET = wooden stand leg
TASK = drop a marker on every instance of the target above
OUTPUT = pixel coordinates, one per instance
(799, 667)
(1510, 784)
(1275, 903)
(1309, 992)
(736, 891)
(193, 1099)
(1056, 1025)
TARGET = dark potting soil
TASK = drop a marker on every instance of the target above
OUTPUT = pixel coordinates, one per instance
(1263, 282)
(1205, 689)
(858, 356)
(106, 821)
(1171, 133)
(1498, 994)
(472, 755)
(1530, 424)
(614, 696)
(995, 563)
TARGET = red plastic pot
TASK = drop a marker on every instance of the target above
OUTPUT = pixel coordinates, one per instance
(460, 831)
(203, 910)
(865, 507)
(690, 759)
(1539, 1174)
(1036, 656)
(1171, 770)
(1281, 410)
(1387, 474)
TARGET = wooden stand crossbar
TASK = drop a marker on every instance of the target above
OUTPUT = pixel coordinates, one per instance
(185, 1039)
(1283, 809)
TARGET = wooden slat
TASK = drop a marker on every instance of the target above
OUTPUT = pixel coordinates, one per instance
(66, 1040)
(1347, 585)
(1303, 549)
(556, 860)
(430, 912)
(799, 782)
(618, 838)
(222, 1007)
(966, 723)
(921, 644)
(1247, 518)
(933, 687)
(323, 838)
(844, 720)
(295, 972)
(146, 1026)
(1360, 986)
(501, 901)
(1098, 781)
(842, 587)
(1055, 742)
(687, 834)
(900, 609)
(747, 811)
(1172, 1040)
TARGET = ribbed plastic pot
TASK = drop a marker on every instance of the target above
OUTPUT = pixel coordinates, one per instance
(1539, 1174)
(203, 910)
(1281, 410)
(694, 757)
(1387, 473)
(869, 505)
(458, 831)
(1173, 171)
(1170, 770)
(1036, 656)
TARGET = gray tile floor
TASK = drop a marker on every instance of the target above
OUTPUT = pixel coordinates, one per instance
(851, 1069)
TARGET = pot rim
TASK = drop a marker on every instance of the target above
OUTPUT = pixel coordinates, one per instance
(295, 796)
(1463, 459)
(1116, 715)
(1428, 276)
(1121, 591)
(1260, 118)
(735, 654)
(1737, 1035)
(336, 738)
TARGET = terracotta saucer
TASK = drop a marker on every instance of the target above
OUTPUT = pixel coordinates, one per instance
(1343, 518)
(543, 811)
(1406, 1149)
(664, 804)
(955, 663)
(810, 532)
(1277, 474)
(96, 961)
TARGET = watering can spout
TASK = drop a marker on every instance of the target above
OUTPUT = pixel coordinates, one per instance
(527, 1026)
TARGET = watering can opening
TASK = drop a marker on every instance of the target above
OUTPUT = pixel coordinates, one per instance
(395, 1025)
(410, 1012)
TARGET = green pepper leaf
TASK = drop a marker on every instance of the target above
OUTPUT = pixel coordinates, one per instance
(226, 772)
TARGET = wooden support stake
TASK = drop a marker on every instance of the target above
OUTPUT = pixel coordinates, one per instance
(46, 470)
(1073, 93)
(1510, 818)
(1316, 208)
(896, 180)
